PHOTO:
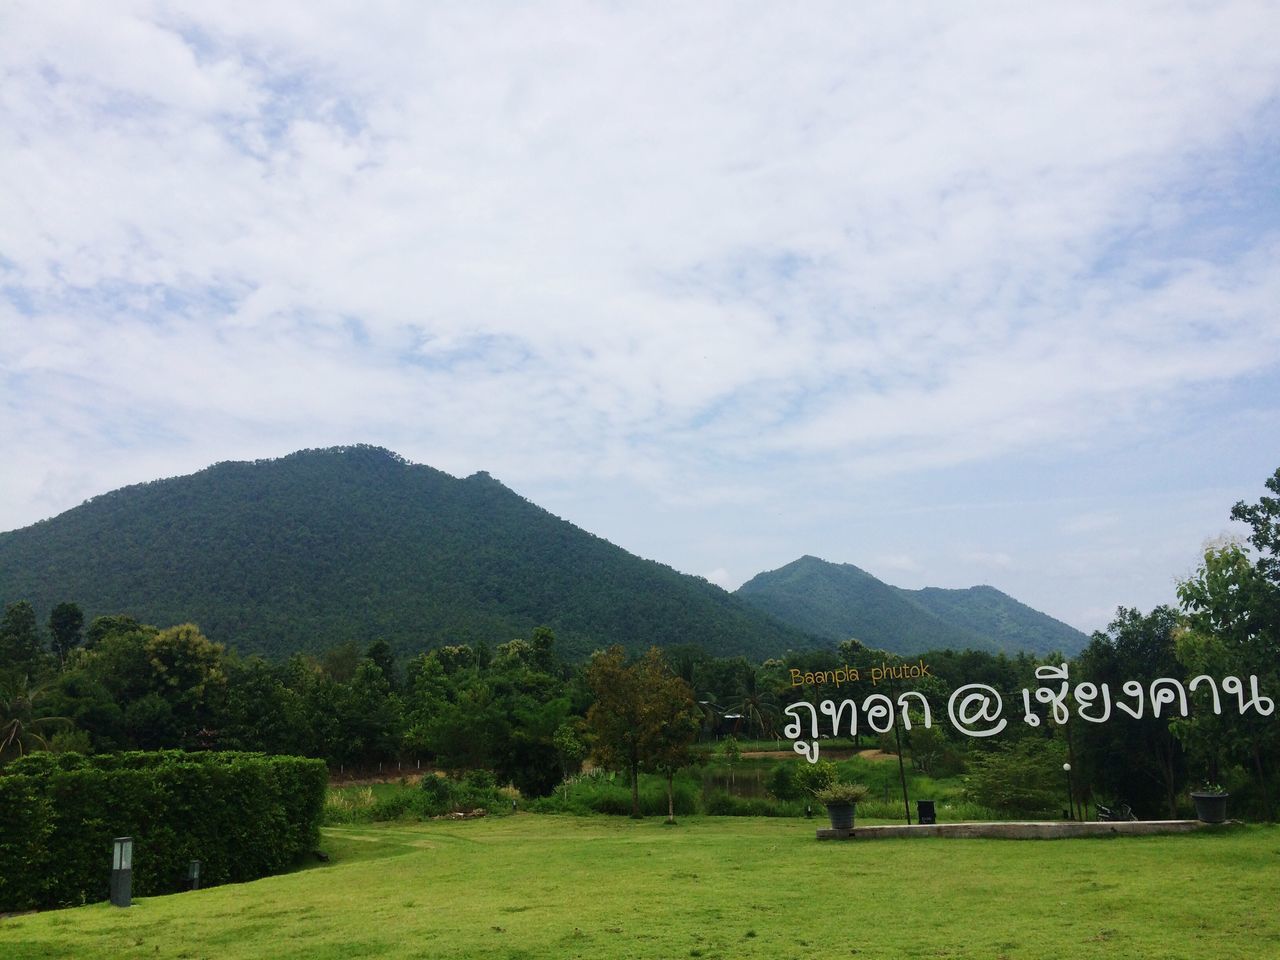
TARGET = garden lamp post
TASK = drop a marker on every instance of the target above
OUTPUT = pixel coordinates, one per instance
(1066, 768)
(122, 871)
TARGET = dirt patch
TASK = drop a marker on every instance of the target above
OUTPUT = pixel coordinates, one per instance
(336, 780)
(878, 755)
(827, 753)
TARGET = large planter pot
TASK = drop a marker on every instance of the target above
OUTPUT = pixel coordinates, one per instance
(841, 815)
(1210, 807)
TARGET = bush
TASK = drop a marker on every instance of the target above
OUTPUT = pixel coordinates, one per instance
(841, 793)
(800, 779)
(242, 815)
(391, 807)
(589, 795)
(1023, 778)
(349, 806)
(476, 790)
(721, 804)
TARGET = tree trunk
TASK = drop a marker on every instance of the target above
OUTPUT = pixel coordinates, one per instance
(671, 803)
(1167, 773)
(1262, 782)
(902, 773)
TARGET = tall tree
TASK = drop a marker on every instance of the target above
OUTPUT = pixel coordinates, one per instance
(1232, 604)
(187, 673)
(616, 718)
(65, 623)
(671, 722)
(1264, 518)
(643, 717)
(20, 647)
(1137, 759)
(1233, 615)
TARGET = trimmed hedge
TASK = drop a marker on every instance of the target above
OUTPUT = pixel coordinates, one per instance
(243, 815)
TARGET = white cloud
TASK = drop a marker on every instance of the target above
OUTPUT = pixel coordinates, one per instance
(900, 561)
(986, 558)
(705, 248)
(722, 578)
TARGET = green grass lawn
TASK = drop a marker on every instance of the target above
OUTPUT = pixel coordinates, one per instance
(532, 886)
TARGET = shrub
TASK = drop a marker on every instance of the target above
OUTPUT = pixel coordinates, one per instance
(589, 795)
(799, 779)
(722, 804)
(476, 790)
(840, 793)
(242, 815)
(391, 807)
(1023, 778)
(437, 795)
(348, 806)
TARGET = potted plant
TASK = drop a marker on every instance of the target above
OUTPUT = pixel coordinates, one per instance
(840, 799)
(1211, 802)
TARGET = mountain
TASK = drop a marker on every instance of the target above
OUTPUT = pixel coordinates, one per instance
(355, 543)
(839, 601)
(990, 613)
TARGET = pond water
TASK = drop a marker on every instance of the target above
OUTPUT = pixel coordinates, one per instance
(740, 783)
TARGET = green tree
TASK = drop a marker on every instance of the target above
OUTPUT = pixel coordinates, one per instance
(65, 623)
(616, 717)
(82, 698)
(261, 712)
(731, 753)
(380, 653)
(1140, 760)
(672, 722)
(1232, 606)
(187, 672)
(102, 627)
(1264, 519)
(1023, 777)
(1233, 629)
(644, 716)
(23, 725)
(372, 716)
(20, 647)
(570, 749)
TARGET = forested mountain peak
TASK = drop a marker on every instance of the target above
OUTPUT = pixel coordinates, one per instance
(839, 600)
(345, 543)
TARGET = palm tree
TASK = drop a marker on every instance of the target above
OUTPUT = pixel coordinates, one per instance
(758, 707)
(21, 730)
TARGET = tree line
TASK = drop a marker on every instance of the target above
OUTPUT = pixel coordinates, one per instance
(522, 711)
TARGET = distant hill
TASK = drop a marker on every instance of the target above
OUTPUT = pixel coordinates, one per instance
(355, 543)
(839, 601)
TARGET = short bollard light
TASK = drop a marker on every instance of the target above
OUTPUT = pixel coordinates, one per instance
(193, 873)
(122, 871)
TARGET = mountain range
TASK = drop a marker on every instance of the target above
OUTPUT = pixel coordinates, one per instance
(837, 601)
(303, 552)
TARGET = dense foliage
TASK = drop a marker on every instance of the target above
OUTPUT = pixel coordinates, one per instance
(837, 601)
(322, 547)
(522, 713)
(242, 815)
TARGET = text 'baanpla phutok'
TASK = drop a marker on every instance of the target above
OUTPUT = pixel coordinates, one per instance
(977, 710)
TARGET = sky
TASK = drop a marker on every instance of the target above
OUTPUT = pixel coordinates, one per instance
(960, 294)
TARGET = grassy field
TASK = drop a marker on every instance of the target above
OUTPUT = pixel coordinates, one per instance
(531, 886)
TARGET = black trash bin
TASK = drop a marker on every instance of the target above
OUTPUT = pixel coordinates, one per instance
(925, 812)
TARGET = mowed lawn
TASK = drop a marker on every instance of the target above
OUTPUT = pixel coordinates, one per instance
(531, 886)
